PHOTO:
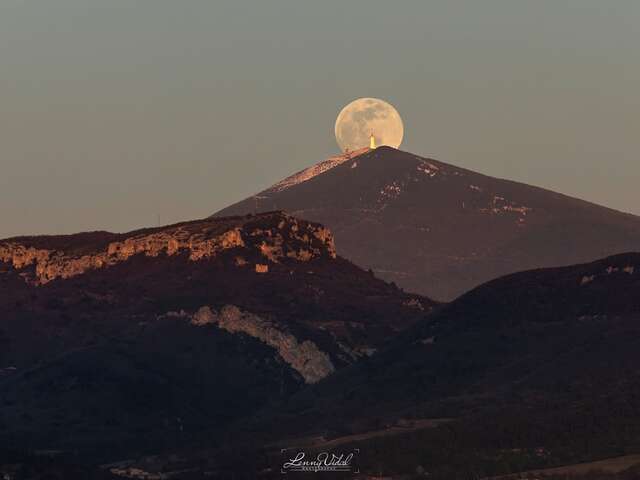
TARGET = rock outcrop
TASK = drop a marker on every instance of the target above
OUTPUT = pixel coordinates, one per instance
(275, 235)
(305, 357)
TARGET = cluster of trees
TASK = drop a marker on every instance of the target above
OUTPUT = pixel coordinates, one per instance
(507, 439)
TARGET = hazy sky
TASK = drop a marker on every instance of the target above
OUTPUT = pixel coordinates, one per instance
(113, 112)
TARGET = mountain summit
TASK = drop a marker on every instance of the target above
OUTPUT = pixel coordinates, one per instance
(440, 230)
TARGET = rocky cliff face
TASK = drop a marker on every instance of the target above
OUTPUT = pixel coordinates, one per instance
(275, 236)
(303, 356)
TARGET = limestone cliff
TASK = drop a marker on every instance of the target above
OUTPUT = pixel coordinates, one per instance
(305, 357)
(275, 236)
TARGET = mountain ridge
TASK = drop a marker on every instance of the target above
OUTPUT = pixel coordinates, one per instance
(163, 336)
(199, 239)
(440, 230)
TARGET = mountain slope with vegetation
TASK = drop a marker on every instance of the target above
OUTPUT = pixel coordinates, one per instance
(440, 230)
(163, 336)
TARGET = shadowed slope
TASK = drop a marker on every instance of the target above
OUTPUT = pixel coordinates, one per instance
(160, 337)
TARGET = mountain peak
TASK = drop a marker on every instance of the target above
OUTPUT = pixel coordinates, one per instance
(438, 229)
(314, 170)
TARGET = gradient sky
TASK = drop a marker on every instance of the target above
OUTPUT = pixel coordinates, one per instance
(113, 112)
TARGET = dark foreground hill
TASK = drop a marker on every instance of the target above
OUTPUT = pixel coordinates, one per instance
(441, 230)
(113, 344)
(530, 370)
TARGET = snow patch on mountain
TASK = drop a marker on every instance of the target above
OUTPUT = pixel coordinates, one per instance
(315, 170)
(390, 191)
(428, 169)
(499, 205)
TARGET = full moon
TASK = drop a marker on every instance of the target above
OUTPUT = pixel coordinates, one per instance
(365, 117)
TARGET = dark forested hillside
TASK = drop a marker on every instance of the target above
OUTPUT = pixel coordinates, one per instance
(163, 336)
(530, 370)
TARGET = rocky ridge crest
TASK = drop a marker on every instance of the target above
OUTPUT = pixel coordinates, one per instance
(275, 235)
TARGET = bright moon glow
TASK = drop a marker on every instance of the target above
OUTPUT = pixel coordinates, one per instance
(365, 116)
